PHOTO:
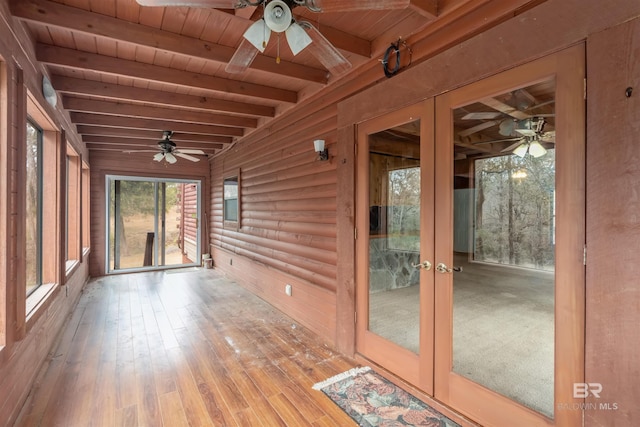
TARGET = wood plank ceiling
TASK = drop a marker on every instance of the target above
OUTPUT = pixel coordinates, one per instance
(126, 72)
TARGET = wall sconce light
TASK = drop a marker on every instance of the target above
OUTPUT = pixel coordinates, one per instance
(318, 145)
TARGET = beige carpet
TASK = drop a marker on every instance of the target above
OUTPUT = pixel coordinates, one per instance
(503, 329)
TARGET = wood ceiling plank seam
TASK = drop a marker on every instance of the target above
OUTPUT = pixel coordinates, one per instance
(62, 37)
(45, 12)
(127, 10)
(151, 16)
(173, 21)
(144, 54)
(40, 33)
(196, 65)
(106, 47)
(133, 110)
(195, 23)
(102, 7)
(70, 58)
(85, 43)
(125, 51)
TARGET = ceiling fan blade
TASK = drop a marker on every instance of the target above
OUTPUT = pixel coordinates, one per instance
(512, 146)
(158, 157)
(357, 5)
(186, 156)
(189, 151)
(242, 59)
(477, 128)
(325, 52)
(216, 4)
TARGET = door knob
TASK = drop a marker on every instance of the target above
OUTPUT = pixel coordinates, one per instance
(424, 264)
(442, 268)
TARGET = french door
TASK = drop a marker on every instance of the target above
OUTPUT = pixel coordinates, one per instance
(470, 272)
(152, 223)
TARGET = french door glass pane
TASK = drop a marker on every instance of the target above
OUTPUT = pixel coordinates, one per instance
(504, 242)
(394, 234)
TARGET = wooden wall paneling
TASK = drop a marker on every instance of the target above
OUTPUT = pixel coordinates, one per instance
(345, 241)
(613, 294)
(5, 198)
(18, 297)
(61, 226)
(51, 238)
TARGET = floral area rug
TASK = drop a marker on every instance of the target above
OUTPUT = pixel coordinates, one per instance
(373, 401)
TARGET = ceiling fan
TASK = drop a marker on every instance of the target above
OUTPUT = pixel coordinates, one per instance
(169, 150)
(277, 17)
(531, 136)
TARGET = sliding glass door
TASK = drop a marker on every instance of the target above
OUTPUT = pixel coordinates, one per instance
(152, 223)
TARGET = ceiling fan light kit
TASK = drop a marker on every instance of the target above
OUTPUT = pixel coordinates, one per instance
(278, 17)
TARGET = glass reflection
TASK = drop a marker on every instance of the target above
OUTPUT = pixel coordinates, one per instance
(394, 234)
(504, 240)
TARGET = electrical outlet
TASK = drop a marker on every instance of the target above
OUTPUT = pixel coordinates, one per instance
(287, 289)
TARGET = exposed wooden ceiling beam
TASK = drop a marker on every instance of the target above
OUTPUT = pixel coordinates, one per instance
(153, 135)
(171, 114)
(134, 123)
(426, 8)
(135, 142)
(504, 108)
(71, 58)
(44, 12)
(75, 86)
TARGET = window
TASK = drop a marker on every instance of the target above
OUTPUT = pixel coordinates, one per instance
(231, 201)
(33, 214)
(86, 200)
(72, 218)
(43, 211)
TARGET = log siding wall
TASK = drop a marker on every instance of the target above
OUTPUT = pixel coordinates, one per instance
(288, 220)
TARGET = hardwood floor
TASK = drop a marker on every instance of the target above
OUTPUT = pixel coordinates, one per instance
(183, 348)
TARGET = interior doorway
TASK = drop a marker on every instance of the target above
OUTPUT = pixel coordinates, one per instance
(470, 279)
(152, 223)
